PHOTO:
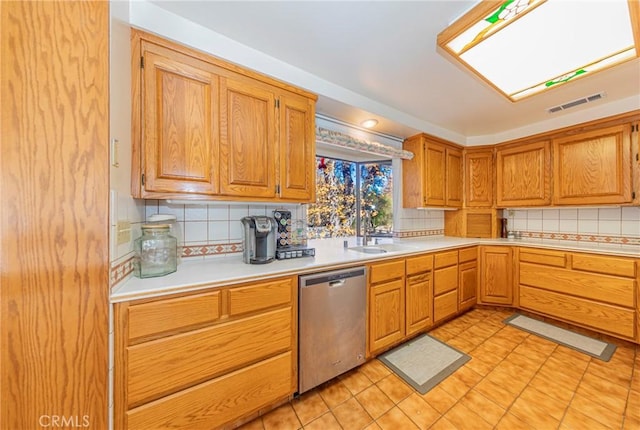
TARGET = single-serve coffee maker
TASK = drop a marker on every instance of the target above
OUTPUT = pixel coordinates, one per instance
(259, 239)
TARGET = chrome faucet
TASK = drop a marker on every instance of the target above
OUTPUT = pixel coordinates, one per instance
(367, 223)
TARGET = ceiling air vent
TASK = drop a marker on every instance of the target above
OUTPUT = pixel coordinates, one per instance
(577, 102)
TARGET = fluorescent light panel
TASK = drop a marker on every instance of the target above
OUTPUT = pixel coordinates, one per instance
(546, 44)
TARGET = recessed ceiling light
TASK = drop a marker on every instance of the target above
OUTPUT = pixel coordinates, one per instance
(524, 47)
(369, 123)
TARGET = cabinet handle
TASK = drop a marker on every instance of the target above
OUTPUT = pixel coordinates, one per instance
(419, 278)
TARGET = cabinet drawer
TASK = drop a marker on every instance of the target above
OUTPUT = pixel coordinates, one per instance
(384, 271)
(220, 401)
(169, 315)
(548, 258)
(592, 286)
(608, 265)
(445, 280)
(260, 296)
(468, 254)
(445, 305)
(445, 259)
(419, 264)
(166, 365)
(601, 316)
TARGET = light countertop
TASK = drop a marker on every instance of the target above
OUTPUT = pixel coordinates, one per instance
(330, 254)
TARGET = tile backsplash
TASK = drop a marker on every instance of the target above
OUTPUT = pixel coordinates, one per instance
(604, 224)
(213, 229)
(418, 223)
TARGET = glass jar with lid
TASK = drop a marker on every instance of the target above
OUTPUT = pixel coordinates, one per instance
(156, 251)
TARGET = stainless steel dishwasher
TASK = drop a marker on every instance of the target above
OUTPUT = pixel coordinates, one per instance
(332, 325)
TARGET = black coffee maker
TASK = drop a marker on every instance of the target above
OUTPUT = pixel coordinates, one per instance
(259, 239)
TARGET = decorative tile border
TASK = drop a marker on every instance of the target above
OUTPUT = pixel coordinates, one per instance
(121, 271)
(403, 234)
(214, 249)
(594, 238)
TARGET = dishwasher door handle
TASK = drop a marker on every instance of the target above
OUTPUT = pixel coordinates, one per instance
(338, 283)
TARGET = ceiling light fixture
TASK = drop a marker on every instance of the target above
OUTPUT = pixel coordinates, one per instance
(369, 123)
(524, 47)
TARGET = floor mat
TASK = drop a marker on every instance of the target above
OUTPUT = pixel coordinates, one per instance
(585, 344)
(424, 362)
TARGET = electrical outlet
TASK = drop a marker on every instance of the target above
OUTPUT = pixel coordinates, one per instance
(511, 212)
(124, 232)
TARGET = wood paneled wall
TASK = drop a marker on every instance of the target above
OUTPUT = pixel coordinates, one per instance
(54, 187)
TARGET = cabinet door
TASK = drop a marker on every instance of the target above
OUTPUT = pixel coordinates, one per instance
(297, 148)
(468, 274)
(248, 148)
(454, 177)
(523, 175)
(479, 179)
(496, 275)
(435, 181)
(418, 304)
(180, 105)
(593, 168)
(386, 314)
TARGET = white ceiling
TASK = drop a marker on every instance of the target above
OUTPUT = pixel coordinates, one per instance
(385, 51)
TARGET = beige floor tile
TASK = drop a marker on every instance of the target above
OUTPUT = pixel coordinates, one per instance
(351, 415)
(633, 405)
(613, 396)
(282, 418)
(375, 370)
(467, 376)
(462, 344)
(505, 379)
(631, 424)
(309, 406)
(443, 424)
(334, 393)
(439, 399)
(553, 388)
(512, 422)
(464, 418)
(548, 404)
(355, 381)
(395, 388)
(374, 401)
(597, 411)
(533, 413)
(419, 411)
(497, 393)
(487, 409)
(395, 419)
(616, 373)
(480, 367)
(576, 420)
(325, 422)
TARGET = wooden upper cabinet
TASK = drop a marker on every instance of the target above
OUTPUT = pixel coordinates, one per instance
(524, 175)
(180, 98)
(297, 147)
(478, 174)
(593, 167)
(454, 178)
(433, 178)
(247, 139)
(203, 128)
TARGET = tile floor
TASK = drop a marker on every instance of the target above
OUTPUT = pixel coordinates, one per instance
(513, 381)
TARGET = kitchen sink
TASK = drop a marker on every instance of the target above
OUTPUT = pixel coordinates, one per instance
(381, 248)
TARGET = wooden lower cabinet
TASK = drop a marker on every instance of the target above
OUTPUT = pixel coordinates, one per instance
(468, 278)
(386, 304)
(496, 275)
(419, 293)
(593, 291)
(205, 360)
(445, 285)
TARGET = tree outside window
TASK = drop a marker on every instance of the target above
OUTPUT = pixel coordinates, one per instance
(346, 192)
